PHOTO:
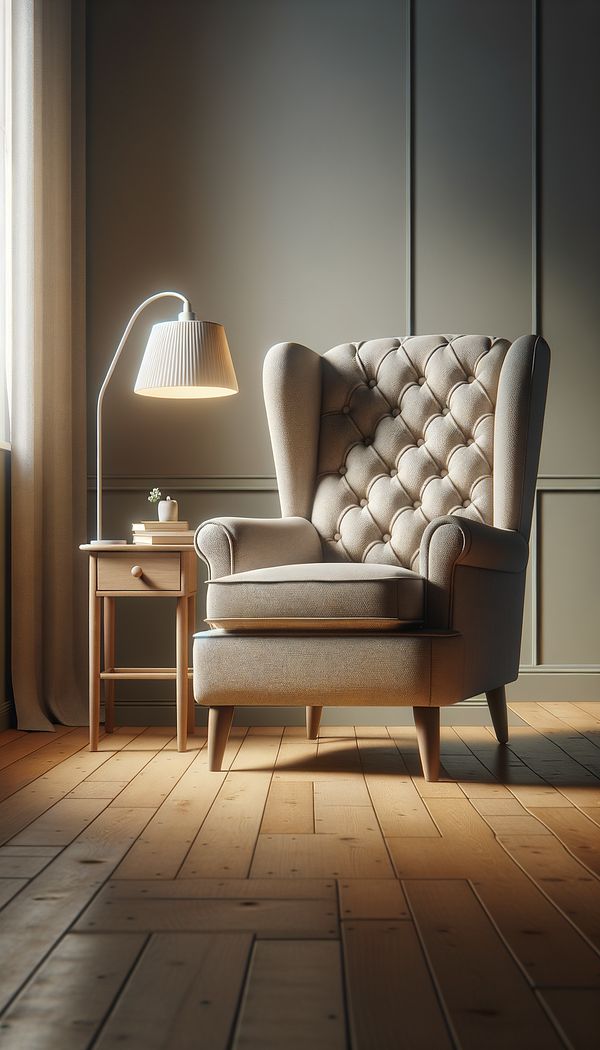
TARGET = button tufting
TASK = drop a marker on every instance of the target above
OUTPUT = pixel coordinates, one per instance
(439, 366)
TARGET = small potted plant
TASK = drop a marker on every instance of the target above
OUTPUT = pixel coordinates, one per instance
(167, 508)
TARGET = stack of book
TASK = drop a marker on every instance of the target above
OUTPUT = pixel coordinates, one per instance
(154, 533)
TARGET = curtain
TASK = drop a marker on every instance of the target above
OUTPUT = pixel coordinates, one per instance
(48, 473)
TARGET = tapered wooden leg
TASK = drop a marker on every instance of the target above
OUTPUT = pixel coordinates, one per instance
(313, 721)
(191, 701)
(108, 607)
(182, 672)
(219, 724)
(496, 699)
(427, 723)
(94, 658)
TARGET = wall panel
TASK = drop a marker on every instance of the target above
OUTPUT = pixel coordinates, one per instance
(250, 153)
(570, 224)
(472, 163)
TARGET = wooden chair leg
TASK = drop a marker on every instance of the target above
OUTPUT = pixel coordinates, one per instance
(313, 721)
(496, 699)
(427, 723)
(219, 724)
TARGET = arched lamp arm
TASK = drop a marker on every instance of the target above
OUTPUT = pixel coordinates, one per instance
(136, 313)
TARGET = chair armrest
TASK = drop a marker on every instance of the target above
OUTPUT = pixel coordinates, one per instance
(229, 545)
(454, 541)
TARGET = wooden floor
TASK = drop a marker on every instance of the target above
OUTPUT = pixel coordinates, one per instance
(313, 895)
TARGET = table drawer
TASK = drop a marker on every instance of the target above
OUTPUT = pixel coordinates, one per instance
(160, 572)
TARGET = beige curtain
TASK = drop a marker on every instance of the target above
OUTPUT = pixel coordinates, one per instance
(48, 487)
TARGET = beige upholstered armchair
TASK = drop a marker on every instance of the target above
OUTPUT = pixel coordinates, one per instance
(396, 574)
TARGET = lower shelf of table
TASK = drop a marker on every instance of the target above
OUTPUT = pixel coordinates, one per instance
(142, 673)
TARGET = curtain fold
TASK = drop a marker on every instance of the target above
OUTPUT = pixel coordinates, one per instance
(48, 473)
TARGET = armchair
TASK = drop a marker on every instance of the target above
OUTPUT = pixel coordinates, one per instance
(396, 573)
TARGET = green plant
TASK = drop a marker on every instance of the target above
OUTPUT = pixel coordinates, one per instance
(154, 496)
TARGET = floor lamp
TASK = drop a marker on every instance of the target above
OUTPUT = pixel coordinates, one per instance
(185, 358)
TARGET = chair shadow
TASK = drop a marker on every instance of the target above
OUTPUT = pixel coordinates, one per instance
(502, 766)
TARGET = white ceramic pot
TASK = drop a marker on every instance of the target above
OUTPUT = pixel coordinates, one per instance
(168, 509)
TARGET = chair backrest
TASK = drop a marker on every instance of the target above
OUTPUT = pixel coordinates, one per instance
(373, 440)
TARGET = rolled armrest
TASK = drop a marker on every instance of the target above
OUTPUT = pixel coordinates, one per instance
(229, 545)
(456, 541)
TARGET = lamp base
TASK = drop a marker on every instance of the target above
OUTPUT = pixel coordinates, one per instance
(107, 543)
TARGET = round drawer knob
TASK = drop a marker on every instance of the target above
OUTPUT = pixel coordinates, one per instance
(137, 571)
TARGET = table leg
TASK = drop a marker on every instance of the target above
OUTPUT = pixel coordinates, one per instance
(191, 701)
(182, 647)
(109, 663)
(94, 658)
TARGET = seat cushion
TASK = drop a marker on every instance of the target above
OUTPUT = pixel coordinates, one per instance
(320, 596)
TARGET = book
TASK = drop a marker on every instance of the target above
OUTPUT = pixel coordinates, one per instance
(149, 539)
(160, 526)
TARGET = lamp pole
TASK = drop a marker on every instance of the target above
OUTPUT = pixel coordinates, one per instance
(185, 315)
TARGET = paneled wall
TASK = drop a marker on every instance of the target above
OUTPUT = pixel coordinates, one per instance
(324, 170)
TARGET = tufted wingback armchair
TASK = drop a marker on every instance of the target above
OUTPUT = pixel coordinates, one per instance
(396, 574)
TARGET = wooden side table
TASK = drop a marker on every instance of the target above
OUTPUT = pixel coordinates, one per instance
(132, 571)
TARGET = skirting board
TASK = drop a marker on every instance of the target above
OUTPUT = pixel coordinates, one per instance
(162, 712)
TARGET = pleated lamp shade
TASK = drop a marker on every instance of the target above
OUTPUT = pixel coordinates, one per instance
(187, 359)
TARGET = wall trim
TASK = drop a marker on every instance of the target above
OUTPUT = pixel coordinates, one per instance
(572, 484)
(186, 483)
(268, 482)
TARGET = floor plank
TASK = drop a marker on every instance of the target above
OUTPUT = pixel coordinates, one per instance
(321, 856)
(263, 917)
(85, 972)
(577, 1012)
(294, 989)
(206, 889)
(372, 899)
(486, 995)
(569, 885)
(289, 808)
(392, 1001)
(62, 823)
(183, 993)
(226, 841)
(32, 923)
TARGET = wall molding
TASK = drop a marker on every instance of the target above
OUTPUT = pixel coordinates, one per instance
(573, 484)
(186, 483)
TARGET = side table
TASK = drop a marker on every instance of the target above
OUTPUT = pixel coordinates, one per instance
(132, 571)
